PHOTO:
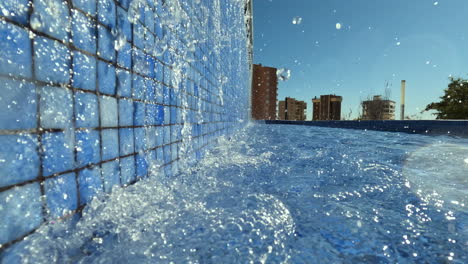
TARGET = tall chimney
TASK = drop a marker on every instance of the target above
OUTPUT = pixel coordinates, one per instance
(403, 91)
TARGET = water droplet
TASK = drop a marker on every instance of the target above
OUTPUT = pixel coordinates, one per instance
(297, 20)
(35, 23)
(283, 74)
(120, 42)
(5, 12)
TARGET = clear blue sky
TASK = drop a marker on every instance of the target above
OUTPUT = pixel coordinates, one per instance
(421, 41)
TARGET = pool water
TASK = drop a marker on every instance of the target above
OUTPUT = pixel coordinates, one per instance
(282, 194)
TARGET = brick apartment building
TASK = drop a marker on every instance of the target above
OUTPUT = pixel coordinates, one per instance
(264, 92)
(292, 109)
(327, 107)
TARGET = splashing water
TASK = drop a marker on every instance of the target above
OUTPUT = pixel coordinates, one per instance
(283, 74)
(273, 194)
(425, 169)
(297, 20)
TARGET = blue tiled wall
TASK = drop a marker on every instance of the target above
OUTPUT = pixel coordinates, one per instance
(96, 93)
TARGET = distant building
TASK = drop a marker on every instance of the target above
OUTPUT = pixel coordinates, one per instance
(327, 107)
(264, 92)
(378, 109)
(316, 108)
(292, 109)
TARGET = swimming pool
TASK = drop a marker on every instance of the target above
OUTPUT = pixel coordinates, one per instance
(282, 194)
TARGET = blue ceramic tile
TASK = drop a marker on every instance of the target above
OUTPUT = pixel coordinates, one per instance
(15, 59)
(124, 56)
(139, 62)
(139, 86)
(149, 42)
(20, 211)
(151, 114)
(83, 32)
(167, 115)
(88, 6)
(16, 10)
(174, 152)
(19, 161)
(167, 135)
(56, 23)
(149, 18)
(138, 35)
(167, 154)
(107, 12)
(126, 141)
(167, 74)
(140, 139)
(109, 111)
(158, 28)
(168, 170)
(160, 115)
(151, 135)
(174, 113)
(111, 175)
(61, 195)
(141, 165)
(125, 112)
(127, 169)
(86, 110)
(123, 24)
(106, 78)
(153, 163)
(159, 92)
(150, 64)
(110, 144)
(56, 108)
(150, 94)
(52, 61)
(106, 48)
(159, 71)
(58, 152)
(139, 113)
(124, 83)
(159, 136)
(18, 105)
(166, 96)
(124, 3)
(88, 147)
(160, 155)
(90, 184)
(84, 71)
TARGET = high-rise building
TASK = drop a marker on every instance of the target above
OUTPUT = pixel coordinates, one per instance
(264, 92)
(327, 107)
(316, 108)
(292, 109)
(378, 109)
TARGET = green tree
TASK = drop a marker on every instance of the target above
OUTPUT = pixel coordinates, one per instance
(454, 104)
